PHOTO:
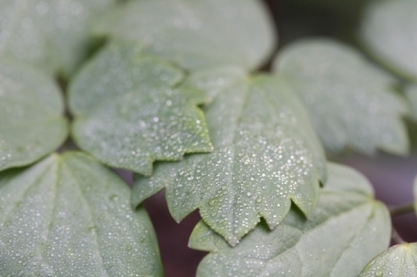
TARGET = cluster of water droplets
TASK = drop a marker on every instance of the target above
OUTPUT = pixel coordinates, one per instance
(259, 163)
(144, 113)
(69, 216)
(301, 247)
(397, 261)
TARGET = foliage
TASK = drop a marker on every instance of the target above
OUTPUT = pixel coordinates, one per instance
(172, 90)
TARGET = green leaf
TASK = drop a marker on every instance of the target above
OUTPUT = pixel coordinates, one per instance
(388, 29)
(51, 34)
(265, 155)
(70, 216)
(196, 34)
(411, 93)
(347, 229)
(31, 115)
(350, 101)
(131, 109)
(398, 261)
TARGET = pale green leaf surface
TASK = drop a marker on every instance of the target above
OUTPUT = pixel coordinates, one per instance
(411, 93)
(196, 34)
(389, 31)
(70, 216)
(347, 229)
(51, 34)
(398, 261)
(131, 109)
(31, 115)
(350, 101)
(265, 155)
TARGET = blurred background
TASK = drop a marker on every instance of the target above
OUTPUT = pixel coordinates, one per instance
(392, 176)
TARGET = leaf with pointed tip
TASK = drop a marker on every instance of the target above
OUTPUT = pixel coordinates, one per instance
(131, 109)
(32, 124)
(265, 155)
(398, 261)
(349, 100)
(347, 229)
(388, 29)
(196, 34)
(411, 93)
(51, 34)
(70, 216)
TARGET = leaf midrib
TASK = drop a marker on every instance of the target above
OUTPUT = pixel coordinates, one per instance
(89, 210)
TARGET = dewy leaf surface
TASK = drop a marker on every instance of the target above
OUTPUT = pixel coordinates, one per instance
(51, 34)
(347, 229)
(70, 216)
(31, 115)
(398, 261)
(411, 93)
(265, 155)
(389, 31)
(350, 101)
(196, 34)
(131, 109)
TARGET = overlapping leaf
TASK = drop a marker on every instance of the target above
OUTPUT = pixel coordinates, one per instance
(389, 31)
(31, 115)
(350, 101)
(132, 109)
(347, 229)
(411, 93)
(265, 155)
(51, 34)
(70, 216)
(398, 261)
(196, 34)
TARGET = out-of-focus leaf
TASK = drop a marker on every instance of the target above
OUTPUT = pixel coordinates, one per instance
(51, 34)
(411, 93)
(389, 31)
(131, 109)
(347, 229)
(350, 101)
(31, 115)
(70, 216)
(398, 261)
(265, 155)
(196, 34)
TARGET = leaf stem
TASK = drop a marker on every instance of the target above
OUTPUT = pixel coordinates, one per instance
(396, 237)
(401, 210)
